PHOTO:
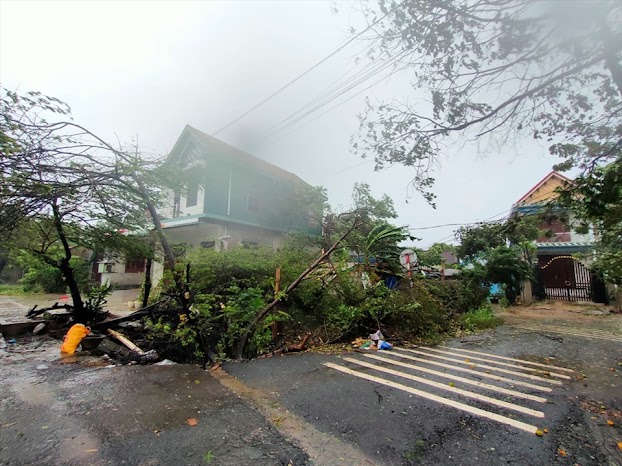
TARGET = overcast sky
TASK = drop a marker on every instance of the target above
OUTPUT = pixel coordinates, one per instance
(148, 68)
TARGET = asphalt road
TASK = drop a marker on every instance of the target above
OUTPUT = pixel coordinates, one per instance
(395, 426)
(138, 415)
(443, 406)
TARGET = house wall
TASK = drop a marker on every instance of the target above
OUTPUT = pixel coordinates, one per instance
(120, 278)
(239, 234)
(193, 210)
(224, 235)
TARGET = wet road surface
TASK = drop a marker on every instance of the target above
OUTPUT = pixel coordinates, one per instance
(473, 401)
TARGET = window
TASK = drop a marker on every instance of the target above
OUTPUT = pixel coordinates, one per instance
(252, 203)
(134, 265)
(192, 194)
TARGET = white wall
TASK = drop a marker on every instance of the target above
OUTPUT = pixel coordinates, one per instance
(120, 278)
(194, 210)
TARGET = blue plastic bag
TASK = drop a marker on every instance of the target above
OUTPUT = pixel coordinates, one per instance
(383, 345)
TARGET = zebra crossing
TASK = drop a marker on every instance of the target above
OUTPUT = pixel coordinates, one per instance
(507, 390)
(572, 332)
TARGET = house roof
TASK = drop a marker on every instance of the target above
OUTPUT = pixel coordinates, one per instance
(538, 185)
(215, 146)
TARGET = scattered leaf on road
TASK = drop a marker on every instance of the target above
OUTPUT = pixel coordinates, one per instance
(539, 433)
(192, 422)
(546, 431)
(451, 384)
(610, 422)
(561, 452)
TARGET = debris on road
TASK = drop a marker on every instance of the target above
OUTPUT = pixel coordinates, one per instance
(165, 362)
(74, 336)
(126, 341)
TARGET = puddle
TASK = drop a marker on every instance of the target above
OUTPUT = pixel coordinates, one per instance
(81, 447)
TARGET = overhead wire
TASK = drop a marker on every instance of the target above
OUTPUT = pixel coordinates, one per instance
(318, 103)
(300, 76)
(491, 219)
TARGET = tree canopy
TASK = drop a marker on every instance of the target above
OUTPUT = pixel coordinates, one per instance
(491, 70)
(596, 200)
(62, 186)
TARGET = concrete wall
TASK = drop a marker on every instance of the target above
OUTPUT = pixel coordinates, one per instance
(526, 295)
(224, 237)
(120, 278)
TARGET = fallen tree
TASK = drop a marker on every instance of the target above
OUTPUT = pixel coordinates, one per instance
(266, 310)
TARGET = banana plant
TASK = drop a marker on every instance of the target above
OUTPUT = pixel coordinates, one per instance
(382, 244)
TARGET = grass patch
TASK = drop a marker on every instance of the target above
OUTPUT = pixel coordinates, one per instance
(208, 457)
(480, 318)
(13, 290)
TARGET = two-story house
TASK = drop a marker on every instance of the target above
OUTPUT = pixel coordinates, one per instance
(229, 198)
(563, 254)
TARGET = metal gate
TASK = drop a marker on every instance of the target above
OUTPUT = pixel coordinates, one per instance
(565, 278)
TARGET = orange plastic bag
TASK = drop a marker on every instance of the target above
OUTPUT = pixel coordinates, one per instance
(73, 338)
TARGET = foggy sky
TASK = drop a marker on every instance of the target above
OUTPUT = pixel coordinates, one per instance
(146, 69)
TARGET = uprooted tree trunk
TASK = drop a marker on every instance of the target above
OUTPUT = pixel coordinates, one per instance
(66, 269)
(147, 282)
(250, 328)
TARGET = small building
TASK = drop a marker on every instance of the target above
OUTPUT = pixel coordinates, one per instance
(563, 255)
(121, 273)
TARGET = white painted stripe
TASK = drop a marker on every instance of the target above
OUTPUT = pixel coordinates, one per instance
(492, 361)
(448, 388)
(511, 359)
(455, 378)
(439, 399)
(582, 335)
(585, 333)
(485, 375)
(482, 366)
(571, 331)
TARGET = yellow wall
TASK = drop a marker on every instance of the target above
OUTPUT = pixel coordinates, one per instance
(545, 192)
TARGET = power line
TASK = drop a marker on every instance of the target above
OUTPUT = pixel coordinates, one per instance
(488, 220)
(328, 95)
(339, 49)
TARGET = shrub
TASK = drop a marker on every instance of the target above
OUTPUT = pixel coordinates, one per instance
(12, 290)
(458, 296)
(417, 313)
(42, 277)
(229, 288)
(480, 318)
